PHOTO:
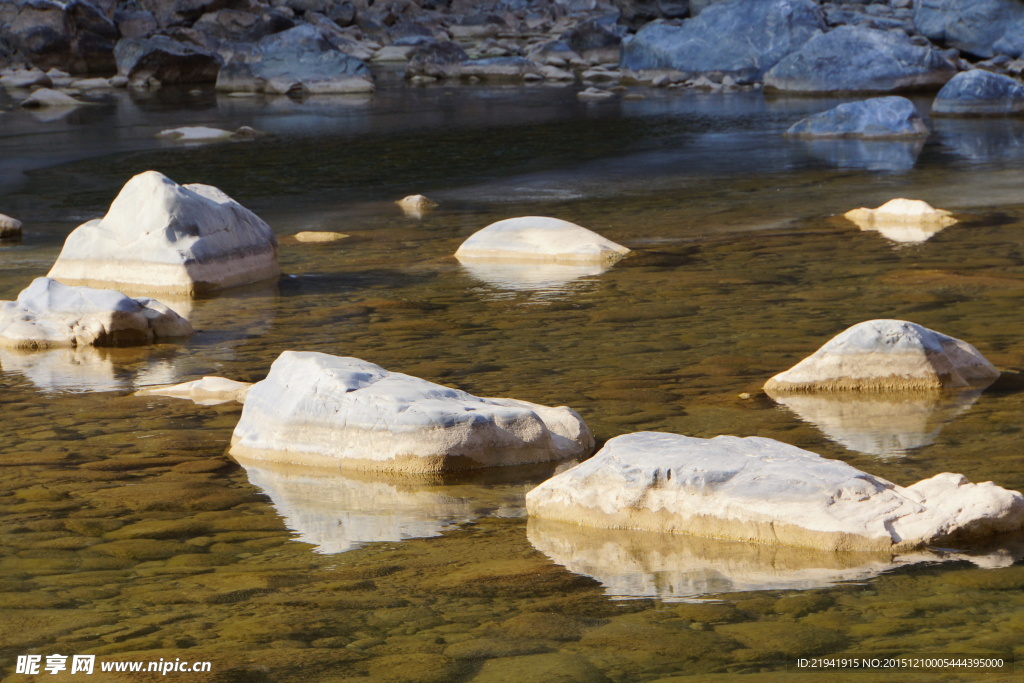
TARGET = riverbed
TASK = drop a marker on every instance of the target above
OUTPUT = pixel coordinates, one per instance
(129, 533)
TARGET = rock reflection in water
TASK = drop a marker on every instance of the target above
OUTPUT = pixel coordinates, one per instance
(547, 279)
(676, 567)
(886, 425)
(337, 510)
(870, 155)
(89, 368)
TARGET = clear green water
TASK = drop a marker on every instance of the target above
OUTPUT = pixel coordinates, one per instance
(128, 532)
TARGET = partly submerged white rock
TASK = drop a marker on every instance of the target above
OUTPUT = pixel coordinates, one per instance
(45, 97)
(195, 134)
(48, 314)
(159, 236)
(338, 510)
(887, 355)
(539, 238)
(764, 491)
(678, 567)
(319, 236)
(902, 220)
(316, 409)
(879, 423)
(9, 227)
(208, 391)
(416, 205)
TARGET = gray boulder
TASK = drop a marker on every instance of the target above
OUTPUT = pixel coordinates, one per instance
(75, 36)
(880, 117)
(594, 42)
(979, 93)
(858, 59)
(983, 28)
(299, 60)
(739, 38)
(163, 59)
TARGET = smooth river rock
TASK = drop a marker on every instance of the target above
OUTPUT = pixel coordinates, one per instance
(538, 238)
(906, 221)
(159, 236)
(859, 59)
(48, 314)
(763, 491)
(887, 355)
(9, 227)
(739, 38)
(316, 409)
(416, 205)
(208, 391)
(877, 118)
(979, 93)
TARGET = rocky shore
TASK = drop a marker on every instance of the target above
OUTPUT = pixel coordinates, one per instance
(302, 47)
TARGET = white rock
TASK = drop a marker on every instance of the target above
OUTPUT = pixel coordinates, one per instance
(764, 491)
(887, 355)
(337, 511)
(319, 236)
(92, 84)
(551, 72)
(538, 238)
(416, 205)
(195, 134)
(393, 53)
(208, 391)
(678, 567)
(48, 314)
(45, 97)
(902, 220)
(9, 227)
(24, 78)
(594, 94)
(159, 236)
(315, 409)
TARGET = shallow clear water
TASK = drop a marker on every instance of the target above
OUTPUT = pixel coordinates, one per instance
(127, 531)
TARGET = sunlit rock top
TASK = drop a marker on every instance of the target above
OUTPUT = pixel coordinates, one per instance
(887, 355)
(539, 238)
(902, 220)
(763, 491)
(159, 236)
(316, 409)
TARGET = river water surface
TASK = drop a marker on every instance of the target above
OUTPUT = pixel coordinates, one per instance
(128, 532)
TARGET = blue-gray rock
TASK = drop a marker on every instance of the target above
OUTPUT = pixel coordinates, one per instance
(739, 38)
(593, 42)
(859, 59)
(979, 93)
(166, 60)
(983, 28)
(879, 117)
(300, 60)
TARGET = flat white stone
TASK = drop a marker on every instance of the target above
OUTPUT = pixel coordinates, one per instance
(539, 238)
(903, 220)
(45, 97)
(681, 568)
(316, 409)
(159, 236)
(92, 84)
(416, 205)
(195, 134)
(763, 491)
(337, 510)
(48, 314)
(887, 355)
(208, 391)
(315, 236)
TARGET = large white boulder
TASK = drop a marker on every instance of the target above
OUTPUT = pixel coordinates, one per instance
(764, 491)
(887, 355)
(48, 314)
(159, 236)
(902, 220)
(316, 409)
(538, 238)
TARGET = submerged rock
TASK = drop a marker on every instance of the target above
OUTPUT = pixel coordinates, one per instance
(902, 220)
(879, 117)
(538, 238)
(45, 97)
(193, 134)
(859, 59)
(164, 237)
(48, 314)
(9, 227)
(764, 491)
(739, 38)
(316, 409)
(208, 391)
(319, 236)
(979, 93)
(887, 355)
(416, 205)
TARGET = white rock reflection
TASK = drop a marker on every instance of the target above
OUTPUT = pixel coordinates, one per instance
(676, 567)
(886, 425)
(550, 278)
(338, 510)
(89, 369)
(894, 156)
